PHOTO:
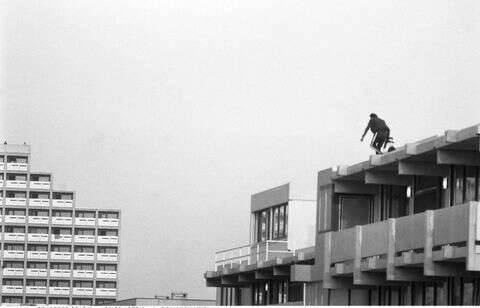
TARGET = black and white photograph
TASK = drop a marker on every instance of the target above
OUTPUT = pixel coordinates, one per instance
(239, 153)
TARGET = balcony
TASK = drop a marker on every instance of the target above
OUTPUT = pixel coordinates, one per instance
(59, 291)
(62, 203)
(83, 256)
(37, 237)
(106, 275)
(60, 255)
(43, 255)
(108, 222)
(83, 221)
(61, 238)
(2, 166)
(1, 182)
(14, 237)
(37, 272)
(105, 292)
(82, 273)
(16, 201)
(39, 202)
(39, 220)
(12, 289)
(107, 239)
(40, 185)
(254, 254)
(60, 273)
(16, 184)
(36, 290)
(13, 271)
(17, 166)
(84, 239)
(14, 254)
(82, 291)
(15, 219)
(62, 220)
(112, 257)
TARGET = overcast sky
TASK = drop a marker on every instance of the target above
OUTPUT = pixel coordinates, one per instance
(177, 111)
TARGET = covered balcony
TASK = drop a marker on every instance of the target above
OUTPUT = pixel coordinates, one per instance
(62, 199)
(15, 198)
(85, 218)
(40, 181)
(108, 219)
(39, 199)
(84, 273)
(16, 180)
(17, 163)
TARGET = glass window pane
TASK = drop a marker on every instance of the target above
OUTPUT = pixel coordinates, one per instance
(354, 211)
(470, 182)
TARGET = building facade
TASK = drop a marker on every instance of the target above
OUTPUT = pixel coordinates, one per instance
(402, 228)
(52, 252)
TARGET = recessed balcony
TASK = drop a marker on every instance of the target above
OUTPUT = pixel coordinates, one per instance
(59, 290)
(19, 219)
(105, 292)
(82, 291)
(106, 274)
(13, 272)
(84, 256)
(82, 273)
(14, 254)
(16, 201)
(37, 272)
(60, 255)
(112, 257)
(43, 255)
(7, 289)
(37, 237)
(60, 273)
(107, 239)
(61, 238)
(108, 222)
(36, 290)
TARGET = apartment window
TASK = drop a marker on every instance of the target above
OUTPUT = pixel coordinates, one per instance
(60, 266)
(35, 300)
(427, 193)
(36, 283)
(12, 264)
(16, 194)
(39, 178)
(60, 283)
(107, 250)
(82, 301)
(60, 248)
(107, 215)
(58, 301)
(82, 284)
(42, 213)
(85, 249)
(16, 177)
(107, 267)
(107, 232)
(37, 195)
(354, 210)
(11, 299)
(14, 229)
(34, 247)
(106, 284)
(84, 214)
(12, 282)
(57, 213)
(17, 159)
(14, 247)
(38, 230)
(80, 231)
(83, 266)
(471, 187)
(15, 212)
(37, 265)
(62, 196)
(62, 231)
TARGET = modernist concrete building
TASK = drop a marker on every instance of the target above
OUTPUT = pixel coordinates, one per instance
(402, 228)
(52, 252)
(282, 233)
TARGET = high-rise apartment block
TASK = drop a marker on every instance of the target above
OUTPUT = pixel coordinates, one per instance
(52, 252)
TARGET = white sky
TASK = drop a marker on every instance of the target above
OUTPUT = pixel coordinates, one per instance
(176, 111)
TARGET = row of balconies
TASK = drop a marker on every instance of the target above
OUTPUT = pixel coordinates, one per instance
(24, 184)
(45, 220)
(61, 255)
(60, 238)
(37, 202)
(59, 273)
(13, 166)
(67, 291)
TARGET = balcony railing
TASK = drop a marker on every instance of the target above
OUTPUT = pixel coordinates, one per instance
(84, 256)
(14, 236)
(62, 220)
(107, 239)
(62, 203)
(107, 257)
(16, 201)
(37, 272)
(108, 222)
(2, 166)
(19, 219)
(40, 185)
(105, 292)
(17, 166)
(82, 291)
(61, 238)
(39, 220)
(60, 255)
(82, 273)
(36, 290)
(37, 237)
(39, 202)
(13, 271)
(7, 289)
(84, 239)
(37, 255)
(85, 221)
(14, 254)
(59, 290)
(16, 184)
(60, 273)
(106, 275)
(250, 254)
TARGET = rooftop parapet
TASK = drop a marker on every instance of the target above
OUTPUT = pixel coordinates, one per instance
(15, 148)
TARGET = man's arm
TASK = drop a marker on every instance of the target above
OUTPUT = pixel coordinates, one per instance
(365, 132)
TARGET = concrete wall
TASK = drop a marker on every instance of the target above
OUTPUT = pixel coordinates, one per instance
(301, 224)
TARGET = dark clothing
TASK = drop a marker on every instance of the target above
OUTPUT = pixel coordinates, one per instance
(381, 138)
(376, 125)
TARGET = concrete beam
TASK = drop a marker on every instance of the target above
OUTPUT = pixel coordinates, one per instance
(458, 157)
(213, 282)
(264, 274)
(387, 178)
(229, 280)
(281, 271)
(351, 187)
(246, 278)
(422, 168)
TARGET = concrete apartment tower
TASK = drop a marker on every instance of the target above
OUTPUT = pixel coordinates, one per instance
(402, 228)
(52, 252)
